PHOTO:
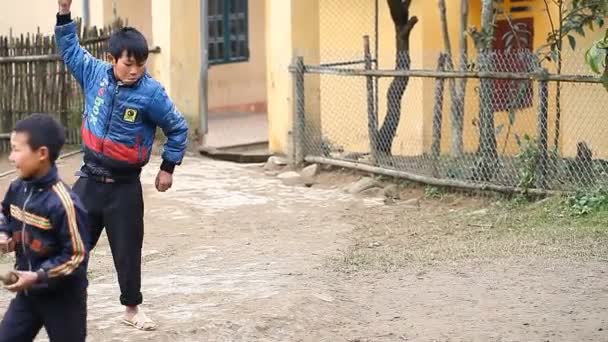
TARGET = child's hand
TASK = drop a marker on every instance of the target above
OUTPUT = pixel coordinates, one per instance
(164, 181)
(6, 244)
(25, 281)
(64, 6)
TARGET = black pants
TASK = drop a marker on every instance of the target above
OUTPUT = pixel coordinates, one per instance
(63, 315)
(119, 208)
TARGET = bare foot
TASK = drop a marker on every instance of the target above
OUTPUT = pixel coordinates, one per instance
(138, 319)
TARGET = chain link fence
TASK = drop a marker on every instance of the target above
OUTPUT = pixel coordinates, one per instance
(500, 124)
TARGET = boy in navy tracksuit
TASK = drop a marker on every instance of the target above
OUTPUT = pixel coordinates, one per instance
(44, 223)
(124, 106)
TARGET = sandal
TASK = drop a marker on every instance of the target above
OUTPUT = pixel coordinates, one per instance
(140, 321)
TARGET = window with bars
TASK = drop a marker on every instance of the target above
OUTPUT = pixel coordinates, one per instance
(228, 31)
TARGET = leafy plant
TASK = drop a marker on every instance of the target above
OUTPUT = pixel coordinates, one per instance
(575, 17)
(433, 192)
(597, 58)
(586, 202)
(527, 160)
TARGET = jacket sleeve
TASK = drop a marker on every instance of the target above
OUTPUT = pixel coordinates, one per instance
(79, 61)
(163, 113)
(69, 221)
(5, 214)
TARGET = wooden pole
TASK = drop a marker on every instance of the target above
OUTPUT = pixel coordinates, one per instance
(543, 129)
(438, 115)
(527, 76)
(448, 183)
(299, 112)
(372, 116)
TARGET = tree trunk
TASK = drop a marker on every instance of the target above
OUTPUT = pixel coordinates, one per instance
(455, 109)
(438, 115)
(487, 136)
(403, 27)
(458, 103)
(558, 92)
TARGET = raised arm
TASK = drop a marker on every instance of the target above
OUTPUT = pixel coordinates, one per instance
(79, 61)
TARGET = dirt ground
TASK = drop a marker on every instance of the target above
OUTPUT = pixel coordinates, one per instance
(234, 255)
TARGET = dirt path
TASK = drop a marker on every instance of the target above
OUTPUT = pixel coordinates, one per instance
(233, 255)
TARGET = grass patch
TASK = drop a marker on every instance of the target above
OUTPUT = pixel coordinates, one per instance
(389, 238)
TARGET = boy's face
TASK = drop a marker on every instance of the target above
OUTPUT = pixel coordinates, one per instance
(27, 161)
(127, 69)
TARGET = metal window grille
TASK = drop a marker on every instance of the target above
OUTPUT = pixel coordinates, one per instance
(228, 31)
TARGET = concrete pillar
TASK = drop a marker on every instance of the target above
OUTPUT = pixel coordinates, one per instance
(175, 30)
(292, 28)
(185, 57)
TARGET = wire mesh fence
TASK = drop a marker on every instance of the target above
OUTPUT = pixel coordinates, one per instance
(503, 120)
(503, 131)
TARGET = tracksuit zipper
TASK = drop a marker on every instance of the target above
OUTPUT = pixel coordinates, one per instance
(105, 133)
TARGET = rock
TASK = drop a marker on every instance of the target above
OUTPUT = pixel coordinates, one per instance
(374, 244)
(362, 185)
(294, 178)
(372, 192)
(271, 173)
(412, 202)
(149, 253)
(324, 297)
(310, 171)
(289, 175)
(392, 191)
(480, 212)
(275, 163)
(366, 159)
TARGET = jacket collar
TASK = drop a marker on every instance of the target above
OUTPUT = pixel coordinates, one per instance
(113, 79)
(45, 181)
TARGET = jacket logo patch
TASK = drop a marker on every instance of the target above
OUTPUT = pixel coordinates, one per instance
(130, 115)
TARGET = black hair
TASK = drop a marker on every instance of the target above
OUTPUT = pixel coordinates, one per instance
(131, 41)
(43, 131)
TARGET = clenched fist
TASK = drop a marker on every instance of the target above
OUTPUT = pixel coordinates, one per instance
(64, 6)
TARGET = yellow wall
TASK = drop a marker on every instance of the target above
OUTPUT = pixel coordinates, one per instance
(161, 36)
(292, 28)
(185, 56)
(174, 27)
(344, 99)
(26, 16)
(242, 86)
(584, 106)
(279, 91)
(343, 104)
(137, 13)
(526, 119)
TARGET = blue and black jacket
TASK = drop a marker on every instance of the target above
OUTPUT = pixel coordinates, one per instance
(48, 225)
(119, 122)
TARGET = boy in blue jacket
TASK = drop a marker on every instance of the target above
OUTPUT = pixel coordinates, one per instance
(123, 108)
(44, 223)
